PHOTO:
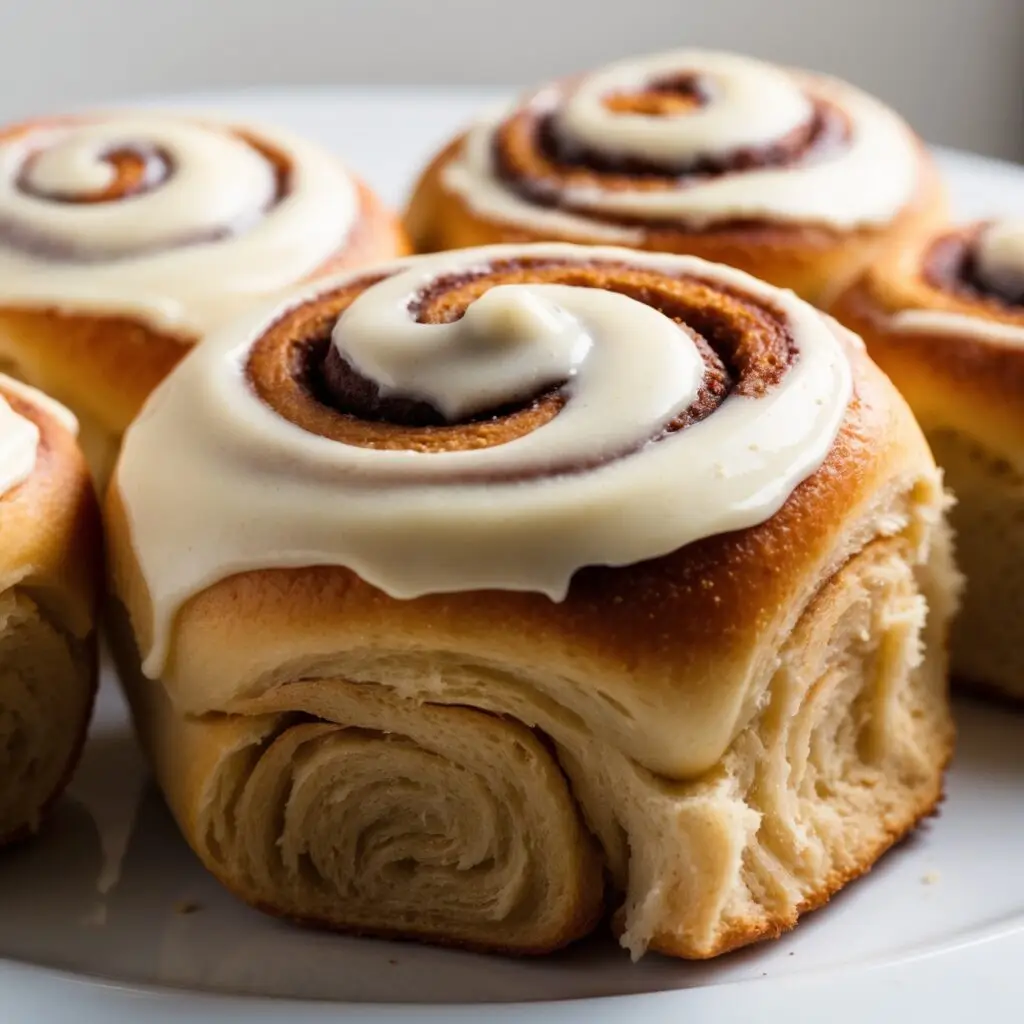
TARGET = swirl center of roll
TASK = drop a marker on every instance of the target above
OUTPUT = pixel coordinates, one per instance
(741, 105)
(110, 190)
(595, 358)
(981, 262)
(83, 173)
(511, 344)
(673, 95)
(999, 261)
(688, 139)
(514, 342)
(690, 400)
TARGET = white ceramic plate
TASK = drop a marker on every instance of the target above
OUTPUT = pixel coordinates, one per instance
(108, 918)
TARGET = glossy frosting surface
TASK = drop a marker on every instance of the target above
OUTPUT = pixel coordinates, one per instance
(241, 487)
(862, 180)
(19, 436)
(180, 222)
(998, 267)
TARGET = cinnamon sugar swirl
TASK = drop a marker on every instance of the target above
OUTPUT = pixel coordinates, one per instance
(125, 236)
(797, 178)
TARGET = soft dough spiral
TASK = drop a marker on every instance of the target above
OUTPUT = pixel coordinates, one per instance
(443, 617)
(176, 220)
(476, 803)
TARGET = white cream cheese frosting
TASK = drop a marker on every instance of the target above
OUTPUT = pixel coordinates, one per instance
(998, 262)
(864, 180)
(19, 436)
(215, 482)
(214, 225)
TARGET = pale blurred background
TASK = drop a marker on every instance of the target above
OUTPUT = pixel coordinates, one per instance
(955, 68)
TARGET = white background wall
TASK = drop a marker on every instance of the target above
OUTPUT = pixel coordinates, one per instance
(954, 67)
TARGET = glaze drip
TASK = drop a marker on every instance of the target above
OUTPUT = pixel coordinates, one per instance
(654, 439)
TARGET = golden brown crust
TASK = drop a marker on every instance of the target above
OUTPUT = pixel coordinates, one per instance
(52, 550)
(673, 610)
(651, 709)
(192, 754)
(814, 261)
(106, 366)
(950, 380)
(50, 523)
(704, 613)
(967, 392)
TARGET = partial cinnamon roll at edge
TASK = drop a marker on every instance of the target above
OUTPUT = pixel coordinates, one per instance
(50, 567)
(514, 585)
(125, 236)
(945, 319)
(797, 178)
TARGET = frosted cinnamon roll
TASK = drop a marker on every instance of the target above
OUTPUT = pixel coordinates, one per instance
(799, 179)
(945, 319)
(125, 236)
(49, 572)
(488, 591)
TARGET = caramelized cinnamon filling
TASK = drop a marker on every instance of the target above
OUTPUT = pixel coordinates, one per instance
(296, 370)
(138, 170)
(538, 163)
(664, 97)
(950, 265)
(339, 385)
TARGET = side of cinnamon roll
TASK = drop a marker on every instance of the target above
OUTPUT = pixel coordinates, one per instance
(492, 590)
(50, 567)
(945, 320)
(799, 179)
(123, 237)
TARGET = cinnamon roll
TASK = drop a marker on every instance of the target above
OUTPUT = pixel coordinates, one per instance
(123, 237)
(945, 319)
(488, 591)
(799, 179)
(49, 570)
